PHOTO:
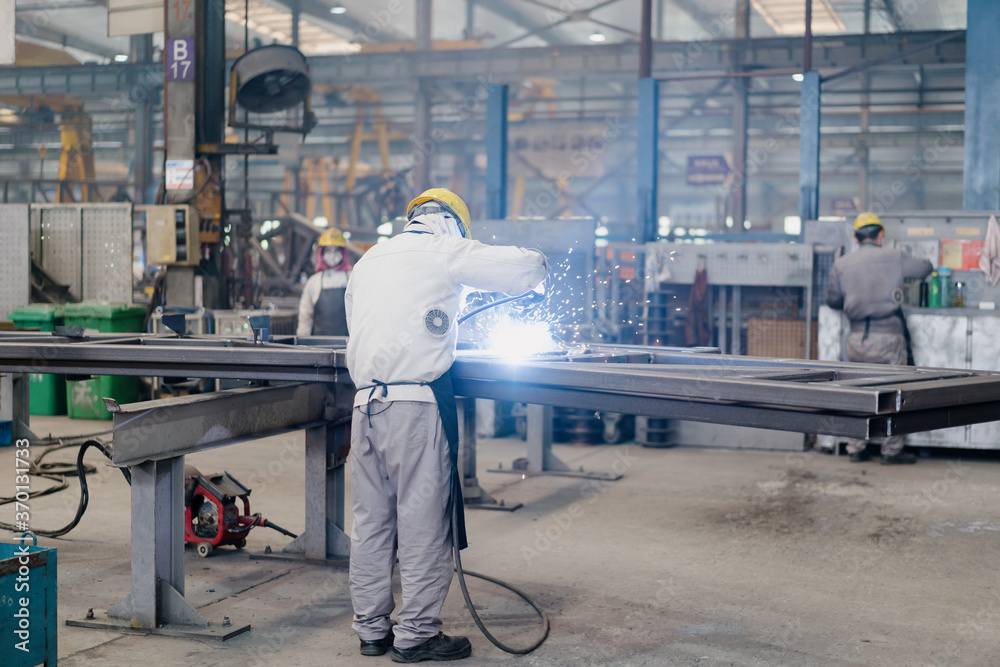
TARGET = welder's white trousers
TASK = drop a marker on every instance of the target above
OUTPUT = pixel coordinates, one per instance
(400, 482)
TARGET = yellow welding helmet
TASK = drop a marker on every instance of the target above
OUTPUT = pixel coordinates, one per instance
(332, 237)
(448, 200)
(867, 219)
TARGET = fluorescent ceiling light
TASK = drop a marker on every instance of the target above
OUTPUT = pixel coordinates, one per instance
(597, 37)
(338, 9)
(789, 18)
(121, 58)
(799, 76)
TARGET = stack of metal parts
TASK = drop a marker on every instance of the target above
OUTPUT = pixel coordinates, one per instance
(655, 433)
(806, 396)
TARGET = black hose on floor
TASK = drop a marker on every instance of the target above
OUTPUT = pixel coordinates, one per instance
(468, 601)
(81, 472)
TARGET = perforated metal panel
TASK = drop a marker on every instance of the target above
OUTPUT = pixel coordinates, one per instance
(59, 242)
(107, 252)
(779, 264)
(15, 269)
(35, 242)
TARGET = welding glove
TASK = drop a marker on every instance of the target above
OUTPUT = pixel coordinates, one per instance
(531, 300)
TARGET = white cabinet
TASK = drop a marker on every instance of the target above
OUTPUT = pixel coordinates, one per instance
(952, 338)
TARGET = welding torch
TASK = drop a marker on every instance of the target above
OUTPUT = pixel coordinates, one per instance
(529, 300)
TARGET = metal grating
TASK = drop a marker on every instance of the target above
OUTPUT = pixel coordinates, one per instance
(107, 252)
(15, 269)
(59, 240)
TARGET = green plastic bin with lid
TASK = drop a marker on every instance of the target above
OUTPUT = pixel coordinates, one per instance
(47, 391)
(84, 397)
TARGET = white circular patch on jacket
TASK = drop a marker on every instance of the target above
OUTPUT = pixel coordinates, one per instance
(437, 322)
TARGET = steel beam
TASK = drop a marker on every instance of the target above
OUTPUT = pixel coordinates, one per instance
(982, 108)
(512, 65)
(845, 425)
(648, 158)
(496, 151)
(809, 135)
(170, 427)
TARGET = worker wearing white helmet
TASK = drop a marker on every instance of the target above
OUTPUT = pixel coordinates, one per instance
(321, 308)
(868, 286)
(402, 302)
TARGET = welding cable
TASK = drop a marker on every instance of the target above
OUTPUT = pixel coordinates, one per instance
(472, 609)
(81, 471)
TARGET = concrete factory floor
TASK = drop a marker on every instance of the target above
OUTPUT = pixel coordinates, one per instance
(695, 557)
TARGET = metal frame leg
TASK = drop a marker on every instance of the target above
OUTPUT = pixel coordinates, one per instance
(541, 460)
(475, 496)
(156, 604)
(324, 538)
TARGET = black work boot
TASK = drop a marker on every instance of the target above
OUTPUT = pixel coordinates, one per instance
(858, 457)
(898, 459)
(377, 646)
(440, 647)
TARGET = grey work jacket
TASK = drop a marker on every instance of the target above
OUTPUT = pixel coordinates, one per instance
(868, 283)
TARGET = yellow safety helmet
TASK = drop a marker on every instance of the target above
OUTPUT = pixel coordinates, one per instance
(332, 237)
(450, 201)
(867, 219)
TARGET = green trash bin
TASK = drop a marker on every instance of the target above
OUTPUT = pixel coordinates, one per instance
(47, 391)
(84, 397)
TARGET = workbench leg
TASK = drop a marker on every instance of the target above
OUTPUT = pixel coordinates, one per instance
(157, 596)
(540, 456)
(156, 604)
(475, 496)
(326, 494)
(541, 459)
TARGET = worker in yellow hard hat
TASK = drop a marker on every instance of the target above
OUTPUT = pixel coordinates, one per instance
(402, 305)
(321, 308)
(867, 285)
(445, 202)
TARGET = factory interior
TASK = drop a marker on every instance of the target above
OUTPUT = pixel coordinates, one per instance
(770, 257)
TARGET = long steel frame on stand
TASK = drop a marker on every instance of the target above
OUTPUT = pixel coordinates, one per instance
(151, 438)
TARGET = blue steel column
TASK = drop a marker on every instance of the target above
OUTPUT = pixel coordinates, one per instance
(648, 130)
(496, 151)
(982, 107)
(809, 147)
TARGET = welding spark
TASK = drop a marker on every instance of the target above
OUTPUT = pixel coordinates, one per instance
(512, 339)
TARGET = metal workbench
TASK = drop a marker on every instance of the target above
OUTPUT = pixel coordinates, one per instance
(151, 438)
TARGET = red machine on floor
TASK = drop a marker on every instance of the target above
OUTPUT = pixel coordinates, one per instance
(211, 515)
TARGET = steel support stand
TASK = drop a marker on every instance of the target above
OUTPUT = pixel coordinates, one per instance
(156, 604)
(324, 538)
(14, 399)
(541, 459)
(475, 496)
(737, 320)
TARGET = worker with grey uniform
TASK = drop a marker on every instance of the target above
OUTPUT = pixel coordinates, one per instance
(867, 285)
(402, 302)
(321, 306)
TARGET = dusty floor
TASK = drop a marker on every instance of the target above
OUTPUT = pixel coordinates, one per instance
(695, 557)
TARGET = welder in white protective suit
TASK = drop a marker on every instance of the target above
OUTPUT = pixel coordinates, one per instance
(402, 302)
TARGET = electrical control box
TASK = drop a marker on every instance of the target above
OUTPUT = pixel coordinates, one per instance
(171, 234)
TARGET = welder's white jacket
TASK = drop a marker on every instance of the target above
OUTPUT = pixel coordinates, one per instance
(404, 296)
